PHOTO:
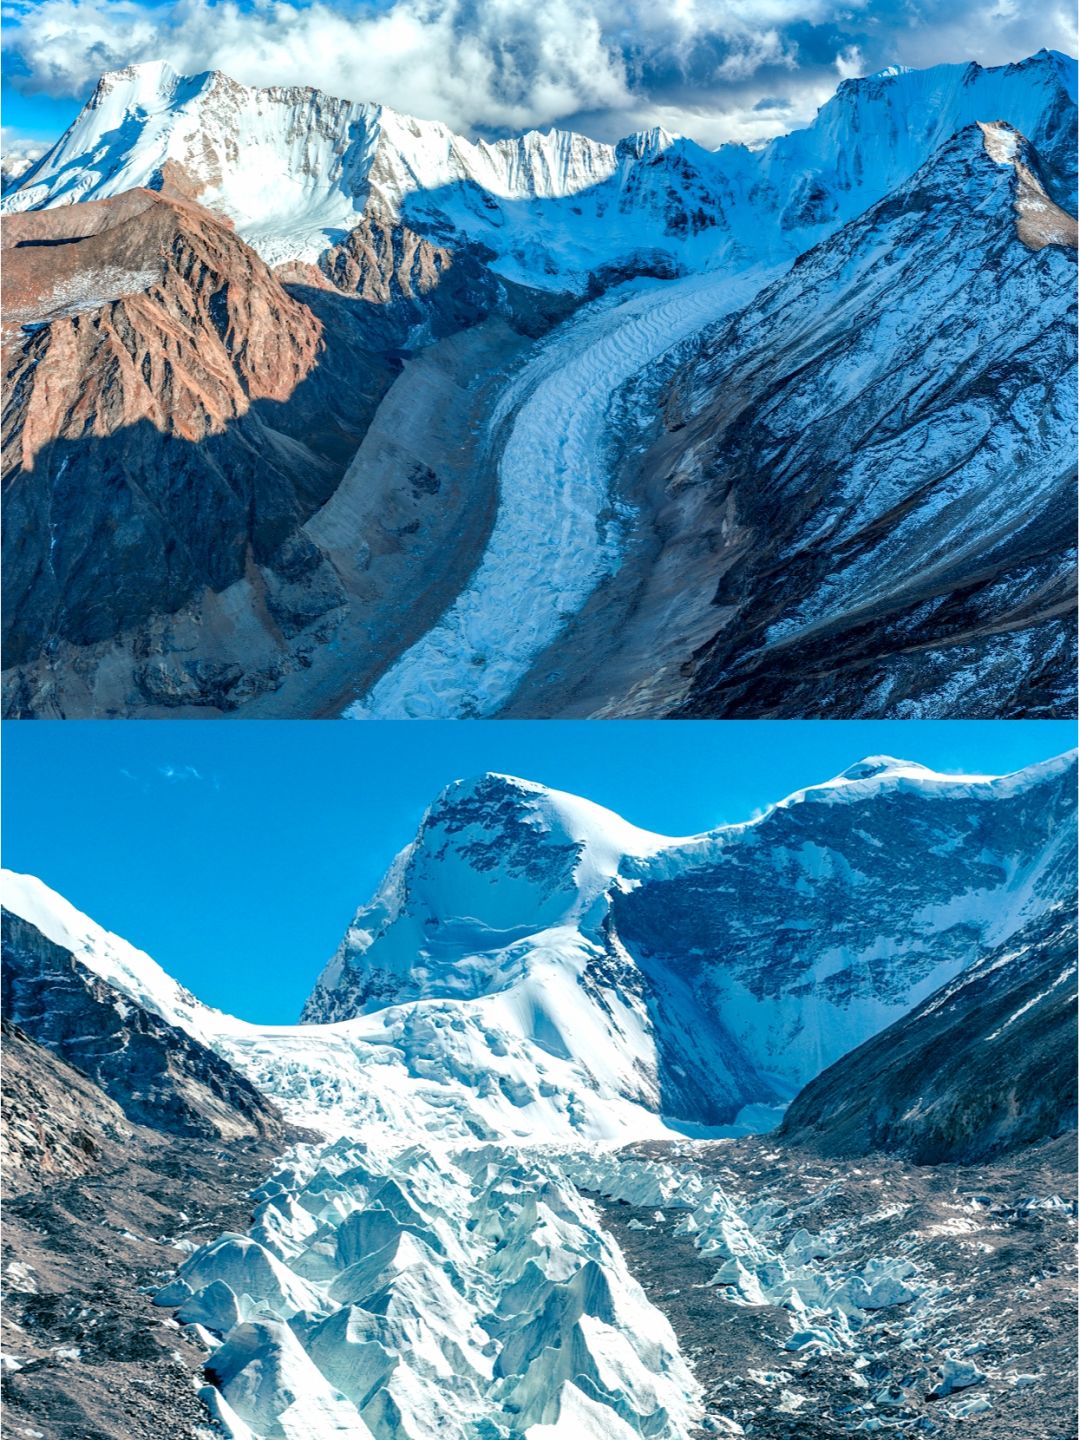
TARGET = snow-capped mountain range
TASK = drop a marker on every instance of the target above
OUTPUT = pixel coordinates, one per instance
(718, 972)
(693, 447)
(554, 970)
(536, 982)
(295, 169)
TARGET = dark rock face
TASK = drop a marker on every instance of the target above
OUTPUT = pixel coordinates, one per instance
(509, 841)
(889, 525)
(57, 1122)
(155, 1073)
(98, 1210)
(983, 1067)
(159, 442)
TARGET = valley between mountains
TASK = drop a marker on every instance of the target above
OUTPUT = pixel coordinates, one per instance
(586, 1133)
(315, 409)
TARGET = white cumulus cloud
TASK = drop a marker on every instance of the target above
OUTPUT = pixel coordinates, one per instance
(484, 66)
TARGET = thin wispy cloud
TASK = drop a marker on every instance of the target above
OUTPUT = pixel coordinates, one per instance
(700, 67)
(175, 773)
(171, 774)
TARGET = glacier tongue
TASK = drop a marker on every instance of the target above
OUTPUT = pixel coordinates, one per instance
(558, 532)
(431, 1290)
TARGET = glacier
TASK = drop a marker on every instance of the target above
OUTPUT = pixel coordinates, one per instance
(557, 532)
(660, 251)
(521, 1000)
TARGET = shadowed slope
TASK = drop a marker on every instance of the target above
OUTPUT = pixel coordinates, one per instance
(984, 1066)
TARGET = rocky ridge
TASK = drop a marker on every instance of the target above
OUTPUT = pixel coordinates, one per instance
(157, 1074)
(98, 1209)
(123, 1137)
(983, 1067)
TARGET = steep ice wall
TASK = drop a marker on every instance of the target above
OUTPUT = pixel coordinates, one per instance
(727, 969)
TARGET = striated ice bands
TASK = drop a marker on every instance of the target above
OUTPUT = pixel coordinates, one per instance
(558, 527)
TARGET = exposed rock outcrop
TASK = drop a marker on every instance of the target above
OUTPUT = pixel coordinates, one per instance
(983, 1067)
(155, 1073)
(171, 418)
(175, 413)
(57, 1122)
(141, 308)
(98, 1209)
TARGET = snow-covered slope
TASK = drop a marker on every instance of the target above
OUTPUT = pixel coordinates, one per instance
(722, 971)
(849, 433)
(119, 964)
(296, 168)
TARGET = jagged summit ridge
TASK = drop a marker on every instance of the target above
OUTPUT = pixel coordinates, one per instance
(294, 167)
(495, 859)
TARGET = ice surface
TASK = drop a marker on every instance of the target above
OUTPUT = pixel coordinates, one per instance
(556, 534)
(435, 1264)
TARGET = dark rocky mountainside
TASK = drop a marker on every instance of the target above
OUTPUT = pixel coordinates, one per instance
(98, 1210)
(57, 1121)
(983, 1067)
(172, 415)
(124, 1140)
(158, 1075)
(869, 471)
(175, 411)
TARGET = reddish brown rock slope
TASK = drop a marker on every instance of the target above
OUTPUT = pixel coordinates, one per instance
(142, 308)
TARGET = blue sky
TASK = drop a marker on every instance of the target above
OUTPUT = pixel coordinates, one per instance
(237, 854)
(712, 69)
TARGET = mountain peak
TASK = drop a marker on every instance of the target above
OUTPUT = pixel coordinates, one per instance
(491, 800)
(141, 84)
(873, 765)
